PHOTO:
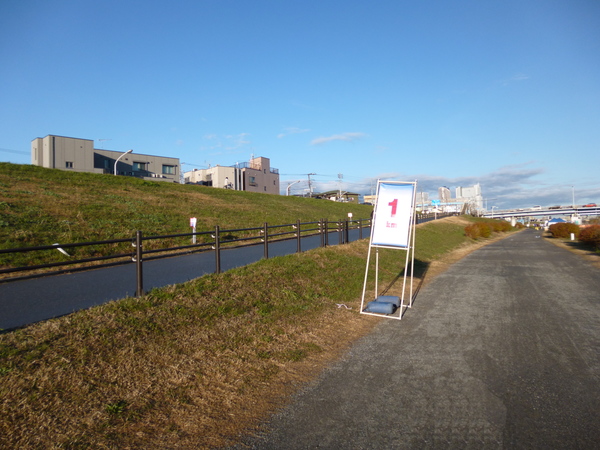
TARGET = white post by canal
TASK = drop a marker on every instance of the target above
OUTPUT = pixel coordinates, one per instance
(193, 221)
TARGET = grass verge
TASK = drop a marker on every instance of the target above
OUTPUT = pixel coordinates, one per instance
(193, 365)
(40, 206)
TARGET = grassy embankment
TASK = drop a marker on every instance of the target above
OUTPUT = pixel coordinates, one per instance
(41, 206)
(192, 365)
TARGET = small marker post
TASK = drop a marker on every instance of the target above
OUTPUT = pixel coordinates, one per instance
(193, 221)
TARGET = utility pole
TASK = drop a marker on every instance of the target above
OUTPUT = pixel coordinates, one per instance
(340, 177)
(310, 184)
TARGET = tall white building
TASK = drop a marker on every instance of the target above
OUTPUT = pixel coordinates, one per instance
(444, 194)
(471, 195)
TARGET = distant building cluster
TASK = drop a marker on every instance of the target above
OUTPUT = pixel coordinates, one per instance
(256, 175)
(467, 200)
(79, 155)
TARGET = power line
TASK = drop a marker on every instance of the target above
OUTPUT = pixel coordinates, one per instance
(18, 152)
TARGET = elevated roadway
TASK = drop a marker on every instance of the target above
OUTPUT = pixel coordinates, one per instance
(544, 212)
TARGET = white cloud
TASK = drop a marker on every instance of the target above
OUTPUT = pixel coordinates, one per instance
(513, 186)
(291, 130)
(227, 142)
(520, 77)
(517, 78)
(337, 137)
(237, 140)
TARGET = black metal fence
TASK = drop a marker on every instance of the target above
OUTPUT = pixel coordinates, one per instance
(73, 257)
(142, 248)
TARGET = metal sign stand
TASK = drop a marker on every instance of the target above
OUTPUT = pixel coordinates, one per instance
(393, 227)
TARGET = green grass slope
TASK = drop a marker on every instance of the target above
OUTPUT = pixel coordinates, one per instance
(41, 206)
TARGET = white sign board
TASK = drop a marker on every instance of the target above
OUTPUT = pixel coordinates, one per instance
(393, 214)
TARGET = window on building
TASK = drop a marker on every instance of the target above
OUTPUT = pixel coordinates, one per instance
(69, 164)
(139, 166)
(168, 170)
(252, 181)
(265, 188)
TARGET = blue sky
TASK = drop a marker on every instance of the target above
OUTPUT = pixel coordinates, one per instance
(450, 93)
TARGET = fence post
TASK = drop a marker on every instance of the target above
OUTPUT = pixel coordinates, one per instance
(346, 231)
(340, 233)
(360, 226)
(138, 265)
(266, 238)
(299, 249)
(217, 250)
(322, 231)
(326, 227)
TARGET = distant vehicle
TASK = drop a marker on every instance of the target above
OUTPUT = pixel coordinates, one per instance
(590, 205)
(536, 208)
(555, 207)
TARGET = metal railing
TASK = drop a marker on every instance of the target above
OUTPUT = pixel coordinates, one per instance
(142, 248)
(145, 248)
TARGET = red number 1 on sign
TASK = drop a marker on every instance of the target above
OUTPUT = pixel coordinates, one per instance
(394, 205)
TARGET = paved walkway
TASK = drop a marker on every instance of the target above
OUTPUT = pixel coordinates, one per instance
(500, 351)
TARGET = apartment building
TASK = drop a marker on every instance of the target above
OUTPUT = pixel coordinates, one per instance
(79, 155)
(470, 195)
(444, 194)
(257, 175)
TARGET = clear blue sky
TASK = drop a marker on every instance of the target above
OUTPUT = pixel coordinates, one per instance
(505, 93)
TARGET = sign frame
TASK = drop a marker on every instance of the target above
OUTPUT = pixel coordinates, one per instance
(393, 227)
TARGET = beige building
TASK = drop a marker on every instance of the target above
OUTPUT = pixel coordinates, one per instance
(254, 176)
(444, 194)
(79, 155)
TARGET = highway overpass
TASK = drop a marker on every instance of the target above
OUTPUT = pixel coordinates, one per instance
(544, 212)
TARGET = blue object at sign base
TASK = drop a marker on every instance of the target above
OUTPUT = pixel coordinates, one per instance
(389, 299)
(381, 307)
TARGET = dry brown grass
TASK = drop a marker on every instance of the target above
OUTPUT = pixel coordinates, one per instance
(185, 366)
(580, 249)
(188, 366)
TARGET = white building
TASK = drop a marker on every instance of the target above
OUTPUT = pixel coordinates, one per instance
(253, 176)
(470, 195)
(444, 194)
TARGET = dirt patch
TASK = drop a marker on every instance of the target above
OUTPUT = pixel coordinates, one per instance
(575, 247)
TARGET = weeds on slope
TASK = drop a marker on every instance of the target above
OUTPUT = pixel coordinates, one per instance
(190, 365)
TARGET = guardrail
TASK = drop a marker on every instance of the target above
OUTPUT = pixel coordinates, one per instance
(144, 248)
(99, 254)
